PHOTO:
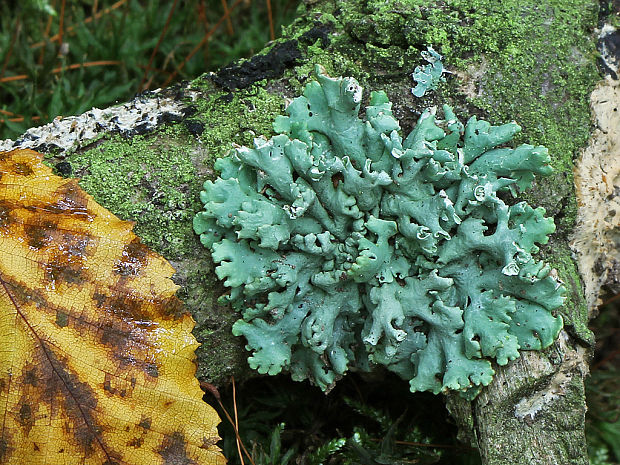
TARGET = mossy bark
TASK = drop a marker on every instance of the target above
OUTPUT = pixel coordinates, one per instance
(532, 61)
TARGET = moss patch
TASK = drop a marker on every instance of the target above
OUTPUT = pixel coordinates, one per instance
(147, 180)
(235, 117)
(575, 309)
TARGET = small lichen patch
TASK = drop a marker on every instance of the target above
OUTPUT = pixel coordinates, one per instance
(65, 135)
(429, 76)
(346, 244)
(608, 40)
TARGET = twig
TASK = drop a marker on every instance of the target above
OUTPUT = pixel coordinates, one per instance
(86, 21)
(202, 18)
(202, 15)
(16, 118)
(229, 25)
(236, 419)
(21, 119)
(89, 64)
(272, 35)
(213, 390)
(16, 31)
(48, 27)
(608, 301)
(608, 358)
(161, 38)
(61, 22)
(424, 444)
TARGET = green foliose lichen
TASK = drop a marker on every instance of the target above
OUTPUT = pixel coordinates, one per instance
(345, 245)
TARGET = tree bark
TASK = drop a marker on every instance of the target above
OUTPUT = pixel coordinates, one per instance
(529, 61)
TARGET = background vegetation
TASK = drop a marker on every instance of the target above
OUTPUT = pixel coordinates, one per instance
(62, 57)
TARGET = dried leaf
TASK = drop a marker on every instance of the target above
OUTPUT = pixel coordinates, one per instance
(96, 353)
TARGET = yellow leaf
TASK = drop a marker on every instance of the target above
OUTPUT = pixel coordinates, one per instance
(96, 354)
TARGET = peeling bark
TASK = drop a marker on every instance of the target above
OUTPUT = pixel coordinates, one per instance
(596, 239)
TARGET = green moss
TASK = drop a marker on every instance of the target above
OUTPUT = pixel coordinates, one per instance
(529, 61)
(537, 56)
(147, 180)
(575, 309)
(154, 180)
(235, 117)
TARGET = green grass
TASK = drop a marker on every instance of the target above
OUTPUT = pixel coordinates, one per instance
(104, 54)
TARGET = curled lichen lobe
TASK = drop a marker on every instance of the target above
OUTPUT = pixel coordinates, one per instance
(346, 245)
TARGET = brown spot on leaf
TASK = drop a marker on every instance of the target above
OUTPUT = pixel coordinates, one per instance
(76, 244)
(136, 442)
(172, 450)
(53, 383)
(208, 443)
(71, 201)
(5, 447)
(145, 423)
(62, 319)
(134, 257)
(115, 387)
(111, 337)
(39, 236)
(5, 214)
(22, 169)
(24, 295)
(106, 384)
(125, 306)
(99, 298)
(151, 370)
(125, 336)
(31, 378)
(26, 417)
(65, 268)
